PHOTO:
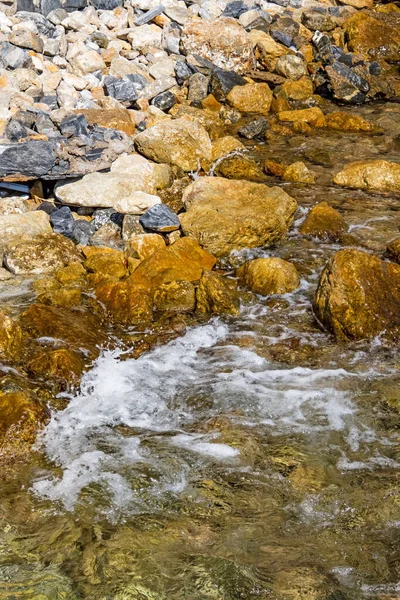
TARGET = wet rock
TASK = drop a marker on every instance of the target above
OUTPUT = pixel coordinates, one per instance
(375, 35)
(131, 226)
(32, 159)
(221, 83)
(251, 98)
(73, 272)
(304, 115)
(21, 414)
(129, 187)
(160, 218)
(324, 222)
(393, 250)
(379, 175)
(125, 302)
(180, 142)
(14, 226)
(239, 166)
(290, 66)
(12, 339)
(254, 129)
(63, 365)
(298, 172)
(110, 263)
(222, 41)
(269, 276)
(263, 219)
(175, 297)
(108, 235)
(217, 295)
(144, 245)
(42, 253)
(343, 121)
(358, 296)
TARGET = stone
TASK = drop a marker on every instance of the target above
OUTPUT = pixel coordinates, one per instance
(298, 172)
(160, 218)
(115, 118)
(303, 115)
(74, 125)
(131, 226)
(26, 38)
(255, 129)
(109, 235)
(302, 89)
(20, 417)
(324, 222)
(11, 337)
(12, 57)
(108, 263)
(248, 214)
(164, 101)
(73, 272)
(175, 297)
(345, 84)
(88, 62)
(122, 90)
(63, 222)
(318, 22)
(222, 41)
(43, 253)
(31, 159)
(221, 83)
(375, 35)
(126, 303)
(178, 142)
(251, 98)
(268, 276)
(217, 295)
(198, 88)
(376, 175)
(63, 365)
(343, 121)
(15, 226)
(290, 66)
(239, 166)
(182, 71)
(184, 260)
(393, 250)
(130, 186)
(143, 245)
(358, 296)
(266, 49)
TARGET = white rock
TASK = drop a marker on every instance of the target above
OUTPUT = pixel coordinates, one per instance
(88, 63)
(17, 225)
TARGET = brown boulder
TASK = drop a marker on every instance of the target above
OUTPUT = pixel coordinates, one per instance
(251, 98)
(380, 175)
(20, 417)
(358, 296)
(269, 276)
(225, 215)
(342, 121)
(302, 115)
(143, 245)
(125, 302)
(377, 35)
(107, 263)
(323, 221)
(115, 118)
(175, 297)
(393, 250)
(63, 365)
(298, 172)
(11, 337)
(42, 253)
(217, 295)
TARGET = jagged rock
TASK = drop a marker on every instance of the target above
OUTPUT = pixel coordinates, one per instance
(318, 22)
(269, 276)
(164, 101)
(63, 365)
(358, 296)
(254, 129)
(42, 253)
(160, 218)
(12, 57)
(252, 98)
(379, 175)
(31, 159)
(221, 83)
(115, 118)
(263, 219)
(63, 222)
(123, 90)
(393, 250)
(12, 339)
(111, 263)
(298, 172)
(266, 49)
(323, 221)
(346, 85)
(290, 66)
(217, 295)
(143, 245)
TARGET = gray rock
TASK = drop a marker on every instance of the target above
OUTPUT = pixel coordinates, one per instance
(182, 71)
(63, 221)
(160, 218)
(222, 82)
(149, 15)
(198, 87)
(164, 101)
(74, 125)
(15, 130)
(255, 129)
(13, 57)
(83, 231)
(32, 159)
(106, 4)
(131, 226)
(123, 90)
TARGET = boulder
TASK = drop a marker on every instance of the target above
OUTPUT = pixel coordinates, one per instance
(108, 263)
(323, 221)
(343, 121)
(113, 118)
(217, 295)
(376, 175)
(302, 115)
(62, 365)
(179, 142)
(15, 226)
(42, 253)
(143, 245)
(358, 296)
(222, 41)
(130, 186)
(11, 337)
(269, 276)
(175, 297)
(225, 215)
(125, 302)
(375, 35)
(20, 417)
(31, 159)
(251, 98)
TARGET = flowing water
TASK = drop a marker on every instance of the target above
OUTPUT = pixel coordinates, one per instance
(251, 458)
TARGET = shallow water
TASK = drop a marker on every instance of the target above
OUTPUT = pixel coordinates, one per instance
(253, 457)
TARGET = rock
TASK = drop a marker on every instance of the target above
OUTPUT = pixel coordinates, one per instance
(375, 35)
(290, 66)
(63, 222)
(222, 82)
(11, 337)
(379, 175)
(129, 187)
(126, 303)
(263, 218)
(143, 245)
(254, 129)
(160, 218)
(358, 296)
(324, 222)
(318, 22)
(222, 41)
(175, 297)
(225, 146)
(122, 90)
(115, 118)
(345, 84)
(63, 365)
(298, 172)
(179, 142)
(88, 62)
(20, 417)
(131, 226)
(342, 121)
(32, 159)
(393, 250)
(198, 88)
(269, 276)
(252, 97)
(15, 226)
(304, 115)
(108, 235)
(184, 260)
(239, 166)
(266, 49)
(12, 57)
(217, 295)
(164, 101)
(301, 89)
(71, 273)
(111, 263)
(42, 253)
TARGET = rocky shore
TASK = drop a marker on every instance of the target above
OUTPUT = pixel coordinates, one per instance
(132, 174)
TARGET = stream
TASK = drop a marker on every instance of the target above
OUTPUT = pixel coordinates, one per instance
(251, 458)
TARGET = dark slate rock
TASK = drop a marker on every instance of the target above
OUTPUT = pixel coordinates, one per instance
(325, 51)
(71, 5)
(47, 6)
(44, 124)
(83, 231)
(50, 101)
(235, 9)
(32, 159)
(106, 4)
(74, 125)
(63, 222)
(43, 25)
(374, 68)
(15, 130)
(262, 23)
(159, 218)
(139, 81)
(47, 207)
(255, 129)
(164, 101)
(282, 38)
(222, 82)
(182, 71)
(13, 57)
(148, 16)
(351, 76)
(286, 25)
(123, 90)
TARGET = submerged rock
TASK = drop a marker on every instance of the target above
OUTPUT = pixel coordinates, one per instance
(269, 276)
(11, 337)
(323, 221)
(379, 175)
(175, 297)
(225, 215)
(358, 296)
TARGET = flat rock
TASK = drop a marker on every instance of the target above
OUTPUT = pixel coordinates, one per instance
(16, 225)
(32, 159)
(225, 215)
(379, 175)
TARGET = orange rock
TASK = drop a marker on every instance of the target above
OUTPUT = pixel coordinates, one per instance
(143, 245)
(114, 118)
